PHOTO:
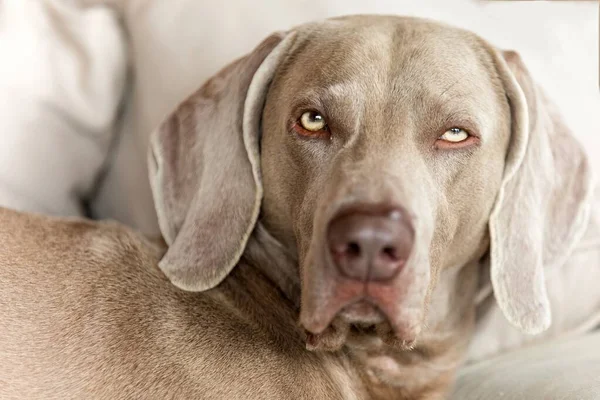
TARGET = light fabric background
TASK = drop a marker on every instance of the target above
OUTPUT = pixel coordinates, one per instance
(62, 71)
(562, 370)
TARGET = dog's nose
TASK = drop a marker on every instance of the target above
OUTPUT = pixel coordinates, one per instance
(371, 246)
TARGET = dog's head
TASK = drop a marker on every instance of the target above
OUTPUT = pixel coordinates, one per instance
(380, 152)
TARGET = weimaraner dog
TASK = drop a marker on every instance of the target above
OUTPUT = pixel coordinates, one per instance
(327, 204)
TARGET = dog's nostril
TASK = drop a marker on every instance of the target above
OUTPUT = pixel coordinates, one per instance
(353, 249)
(390, 252)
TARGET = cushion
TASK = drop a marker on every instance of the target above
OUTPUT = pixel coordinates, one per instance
(562, 370)
(61, 80)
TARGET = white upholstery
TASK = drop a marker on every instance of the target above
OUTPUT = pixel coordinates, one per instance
(561, 370)
(61, 80)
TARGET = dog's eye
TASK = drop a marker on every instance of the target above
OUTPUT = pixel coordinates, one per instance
(312, 121)
(454, 135)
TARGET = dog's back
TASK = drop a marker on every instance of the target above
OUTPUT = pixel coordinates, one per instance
(86, 313)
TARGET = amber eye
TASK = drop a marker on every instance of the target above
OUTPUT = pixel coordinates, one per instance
(455, 135)
(312, 121)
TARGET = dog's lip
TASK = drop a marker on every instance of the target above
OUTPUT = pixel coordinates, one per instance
(329, 306)
(354, 304)
(365, 306)
(362, 312)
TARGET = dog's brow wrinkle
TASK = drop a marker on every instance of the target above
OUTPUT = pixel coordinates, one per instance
(343, 89)
(450, 86)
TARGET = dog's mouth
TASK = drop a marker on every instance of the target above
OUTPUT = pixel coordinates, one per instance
(359, 315)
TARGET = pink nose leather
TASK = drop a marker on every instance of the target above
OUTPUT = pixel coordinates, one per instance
(370, 247)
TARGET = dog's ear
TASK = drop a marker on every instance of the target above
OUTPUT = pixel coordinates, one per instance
(544, 202)
(205, 169)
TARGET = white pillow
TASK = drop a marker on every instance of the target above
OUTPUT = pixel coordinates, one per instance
(61, 79)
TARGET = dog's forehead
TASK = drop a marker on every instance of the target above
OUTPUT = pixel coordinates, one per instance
(379, 51)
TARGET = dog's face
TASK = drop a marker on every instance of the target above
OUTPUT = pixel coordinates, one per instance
(383, 150)
(378, 152)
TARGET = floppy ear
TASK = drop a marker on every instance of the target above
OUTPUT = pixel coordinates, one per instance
(544, 202)
(205, 170)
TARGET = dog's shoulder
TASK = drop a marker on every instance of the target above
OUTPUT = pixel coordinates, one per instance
(33, 238)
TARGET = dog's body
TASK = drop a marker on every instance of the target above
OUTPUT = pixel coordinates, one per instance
(98, 319)
(386, 171)
(86, 313)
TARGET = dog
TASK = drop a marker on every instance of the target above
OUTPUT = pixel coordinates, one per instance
(329, 204)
